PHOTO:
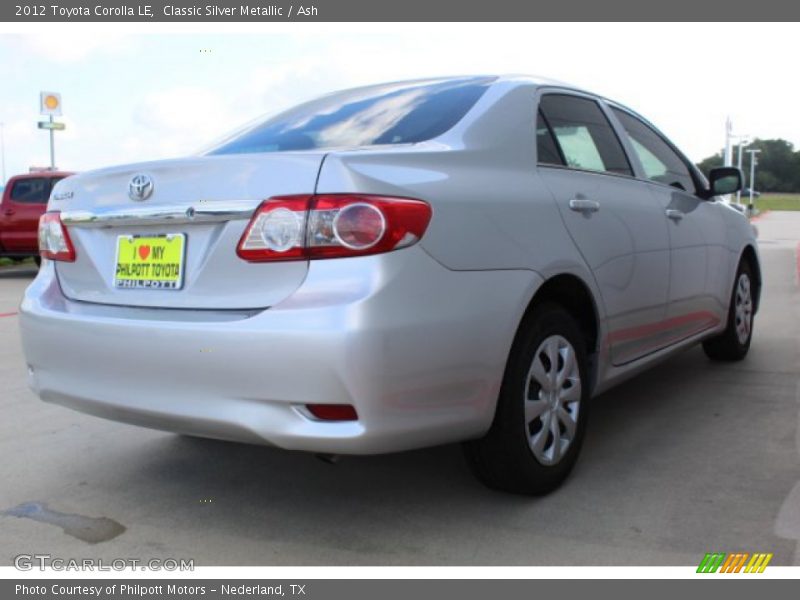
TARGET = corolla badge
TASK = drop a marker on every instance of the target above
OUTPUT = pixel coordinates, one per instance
(140, 187)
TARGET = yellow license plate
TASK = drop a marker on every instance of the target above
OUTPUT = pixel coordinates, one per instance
(151, 262)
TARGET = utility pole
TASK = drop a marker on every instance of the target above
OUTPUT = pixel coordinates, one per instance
(753, 163)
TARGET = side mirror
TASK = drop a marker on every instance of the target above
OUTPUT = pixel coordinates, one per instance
(724, 180)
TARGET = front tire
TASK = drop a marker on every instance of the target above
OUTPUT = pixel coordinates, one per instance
(734, 343)
(541, 414)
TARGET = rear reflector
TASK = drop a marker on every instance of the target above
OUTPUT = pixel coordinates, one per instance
(333, 412)
(332, 226)
(54, 242)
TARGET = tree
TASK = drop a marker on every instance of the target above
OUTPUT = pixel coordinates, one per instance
(711, 162)
(777, 170)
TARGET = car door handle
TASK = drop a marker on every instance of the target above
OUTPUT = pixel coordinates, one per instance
(583, 205)
(8, 212)
(675, 215)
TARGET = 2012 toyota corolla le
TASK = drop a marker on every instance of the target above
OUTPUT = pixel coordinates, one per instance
(464, 259)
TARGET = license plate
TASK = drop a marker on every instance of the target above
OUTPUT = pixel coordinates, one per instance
(150, 262)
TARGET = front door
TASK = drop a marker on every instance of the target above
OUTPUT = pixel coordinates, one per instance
(698, 251)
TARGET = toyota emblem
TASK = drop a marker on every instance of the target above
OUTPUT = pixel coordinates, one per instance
(141, 187)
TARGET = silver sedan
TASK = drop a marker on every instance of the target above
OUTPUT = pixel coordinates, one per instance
(392, 267)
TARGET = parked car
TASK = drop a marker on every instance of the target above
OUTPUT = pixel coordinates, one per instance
(392, 267)
(24, 200)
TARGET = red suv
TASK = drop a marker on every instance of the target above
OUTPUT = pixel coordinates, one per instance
(24, 200)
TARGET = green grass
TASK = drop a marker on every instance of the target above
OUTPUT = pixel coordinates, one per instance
(5, 262)
(775, 202)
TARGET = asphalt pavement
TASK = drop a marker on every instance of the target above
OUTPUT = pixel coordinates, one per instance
(688, 458)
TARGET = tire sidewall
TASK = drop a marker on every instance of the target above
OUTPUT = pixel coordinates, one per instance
(742, 348)
(544, 322)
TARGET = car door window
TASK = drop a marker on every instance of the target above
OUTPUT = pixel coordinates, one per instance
(660, 162)
(583, 134)
(31, 191)
(546, 150)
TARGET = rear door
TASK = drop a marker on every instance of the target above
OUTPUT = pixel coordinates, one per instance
(26, 201)
(698, 251)
(612, 217)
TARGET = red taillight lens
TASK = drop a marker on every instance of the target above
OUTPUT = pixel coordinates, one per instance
(332, 226)
(54, 242)
(333, 412)
(359, 226)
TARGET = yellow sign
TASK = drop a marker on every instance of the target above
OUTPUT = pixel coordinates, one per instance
(150, 262)
(50, 103)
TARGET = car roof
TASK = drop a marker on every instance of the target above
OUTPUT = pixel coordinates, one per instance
(521, 79)
(509, 79)
(40, 174)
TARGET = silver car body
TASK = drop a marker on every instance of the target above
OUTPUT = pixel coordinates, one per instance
(416, 339)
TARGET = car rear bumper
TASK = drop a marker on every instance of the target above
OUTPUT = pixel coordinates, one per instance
(417, 349)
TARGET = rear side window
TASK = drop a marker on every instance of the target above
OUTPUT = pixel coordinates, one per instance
(546, 149)
(387, 114)
(660, 162)
(583, 134)
(34, 190)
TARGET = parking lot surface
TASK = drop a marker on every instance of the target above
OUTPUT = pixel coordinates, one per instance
(688, 458)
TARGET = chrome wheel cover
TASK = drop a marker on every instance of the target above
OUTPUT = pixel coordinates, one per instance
(552, 400)
(743, 309)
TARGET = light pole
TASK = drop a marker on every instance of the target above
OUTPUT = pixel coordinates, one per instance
(727, 158)
(744, 141)
(753, 163)
(727, 153)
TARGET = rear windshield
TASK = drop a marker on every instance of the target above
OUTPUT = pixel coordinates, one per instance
(399, 113)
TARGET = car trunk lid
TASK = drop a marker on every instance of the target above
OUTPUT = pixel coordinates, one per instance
(207, 201)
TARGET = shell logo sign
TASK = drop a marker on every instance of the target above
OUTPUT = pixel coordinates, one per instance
(50, 103)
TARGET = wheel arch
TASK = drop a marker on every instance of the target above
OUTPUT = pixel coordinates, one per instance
(572, 294)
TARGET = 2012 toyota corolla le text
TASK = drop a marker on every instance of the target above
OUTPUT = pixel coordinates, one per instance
(403, 265)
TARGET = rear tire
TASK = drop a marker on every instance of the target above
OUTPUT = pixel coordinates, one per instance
(734, 343)
(541, 413)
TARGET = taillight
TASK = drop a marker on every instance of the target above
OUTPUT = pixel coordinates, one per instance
(54, 242)
(332, 226)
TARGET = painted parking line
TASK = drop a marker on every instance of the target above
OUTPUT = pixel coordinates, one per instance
(8, 314)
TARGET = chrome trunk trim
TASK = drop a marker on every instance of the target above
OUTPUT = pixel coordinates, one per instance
(202, 212)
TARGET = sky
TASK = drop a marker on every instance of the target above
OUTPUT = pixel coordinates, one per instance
(132, 93)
